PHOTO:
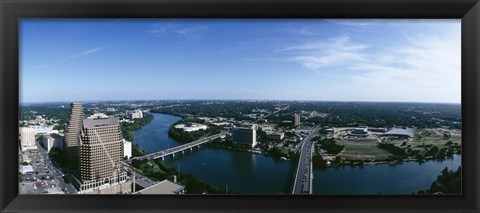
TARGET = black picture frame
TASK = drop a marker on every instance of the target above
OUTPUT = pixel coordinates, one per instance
(12, 10)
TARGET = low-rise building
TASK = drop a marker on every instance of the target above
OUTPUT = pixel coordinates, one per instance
(98, 115)
(28, 169)
(208, 120)
(164, 187)
(27, 138)
(276, 136)
(267, 128)
(42, 130)
(244, 135)
(399, 132)
(361, 131)
(127, 149)
(190, 127)
(25, 158)
(377, 129)
(222, 124)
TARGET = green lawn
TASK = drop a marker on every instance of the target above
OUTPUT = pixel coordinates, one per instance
(363, 151)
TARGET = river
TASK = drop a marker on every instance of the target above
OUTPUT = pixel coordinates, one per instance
(252, 173)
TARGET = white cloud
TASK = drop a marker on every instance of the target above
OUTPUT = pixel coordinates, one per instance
(331, 52)
(419, 66)
(86, 52)
(61, 60)
(190, 33)
(426, 69)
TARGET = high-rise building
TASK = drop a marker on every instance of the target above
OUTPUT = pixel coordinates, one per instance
(101, 152)
(47, 142)
(102, 147)
(52, 141)
(27, 138)
(135, 114)
(72, 132)
(296, 119)
(244, 135)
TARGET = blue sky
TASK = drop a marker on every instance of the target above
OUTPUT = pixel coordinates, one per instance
(328, 60)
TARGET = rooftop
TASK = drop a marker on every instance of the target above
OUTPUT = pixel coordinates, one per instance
(400, 131)
(164, 187)
(91, 123)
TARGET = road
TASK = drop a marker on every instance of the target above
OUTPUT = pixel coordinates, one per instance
(143, 181)
(139, 179)
(46, 175)
(55, 172)
(304, 175)
(176, 149)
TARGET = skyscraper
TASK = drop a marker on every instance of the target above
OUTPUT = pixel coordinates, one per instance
(72, 133)
(101, 152)
(296, 119)
(101, 149)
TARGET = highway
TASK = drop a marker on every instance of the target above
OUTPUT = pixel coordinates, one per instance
(304, 175)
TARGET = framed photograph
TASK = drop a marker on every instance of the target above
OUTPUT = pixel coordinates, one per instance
(348, 106)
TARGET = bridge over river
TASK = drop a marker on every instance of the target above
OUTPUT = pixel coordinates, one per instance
(303, 183)
(172, 151)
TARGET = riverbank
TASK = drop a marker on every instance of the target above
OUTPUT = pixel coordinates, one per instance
(225, 143)
(157, 170)
(129, 128)
(167, 113)
(359, 153)
(448, 182)
(322, 164)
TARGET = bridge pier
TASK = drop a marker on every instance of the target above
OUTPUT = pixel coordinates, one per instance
(163, 158)
(191, 149)
(183, 152)
(173, 155)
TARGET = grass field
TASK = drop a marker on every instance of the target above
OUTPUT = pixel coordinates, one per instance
(363, 151)
(436, 141)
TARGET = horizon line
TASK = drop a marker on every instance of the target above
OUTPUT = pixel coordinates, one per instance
(213, 99)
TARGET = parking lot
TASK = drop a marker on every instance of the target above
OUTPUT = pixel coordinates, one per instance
(46, 178)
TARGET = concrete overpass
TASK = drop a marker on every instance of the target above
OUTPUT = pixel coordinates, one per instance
(303, 183)
(172, 151)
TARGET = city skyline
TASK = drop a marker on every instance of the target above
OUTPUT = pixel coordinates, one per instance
(164, 59)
